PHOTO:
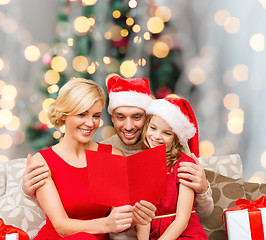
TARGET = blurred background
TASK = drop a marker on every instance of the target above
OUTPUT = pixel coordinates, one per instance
(210, 52)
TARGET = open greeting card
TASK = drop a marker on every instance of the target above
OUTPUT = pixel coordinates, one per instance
(117, 180)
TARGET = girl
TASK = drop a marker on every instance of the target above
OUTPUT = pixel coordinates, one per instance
(63, 197)
(171, 121)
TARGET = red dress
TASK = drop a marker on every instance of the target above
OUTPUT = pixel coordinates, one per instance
(71, 184)
(167, 205)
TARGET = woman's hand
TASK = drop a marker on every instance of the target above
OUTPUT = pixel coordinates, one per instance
(33, 177)
(120, 218)
(144, 212)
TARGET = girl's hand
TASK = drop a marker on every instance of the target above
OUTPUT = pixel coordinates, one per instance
(144, 212)
(120, 218)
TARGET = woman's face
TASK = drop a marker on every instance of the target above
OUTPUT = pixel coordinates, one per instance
(159, 132)
(82, 126)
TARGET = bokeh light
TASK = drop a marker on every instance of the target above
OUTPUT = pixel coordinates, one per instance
(231, 101)
(263, 159)
(9, 92)
(128, 68)
(164, 13)
(51, 77)
(155, 25)
(32, 53)
(206, 148)
(240, 72)
(6, 141)
(257, 42)
(58, 63)
(160, 49)
(80, 63)
(81, 25)
(89, 2)
(235, 121)
(197, 75)
(221, 17)
(14, 124)
(232, 25)
(107, 132)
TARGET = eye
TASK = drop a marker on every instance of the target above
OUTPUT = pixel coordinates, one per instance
(96, 116)
(81, 114)
(137, 118)
(120, 118)
(151, 127)
(168, 133)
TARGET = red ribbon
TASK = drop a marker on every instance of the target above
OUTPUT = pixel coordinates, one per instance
(8, 229)
(254, 214)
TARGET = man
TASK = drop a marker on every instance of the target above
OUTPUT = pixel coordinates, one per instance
(128, 99)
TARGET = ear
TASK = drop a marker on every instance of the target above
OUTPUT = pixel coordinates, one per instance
(63, 117)
(112, 118)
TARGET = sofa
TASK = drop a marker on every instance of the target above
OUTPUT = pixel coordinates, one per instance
(225, 174)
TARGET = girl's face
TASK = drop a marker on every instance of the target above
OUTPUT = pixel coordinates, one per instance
(82, 126)
(159, 132)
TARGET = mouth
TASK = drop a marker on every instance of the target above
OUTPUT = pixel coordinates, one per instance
(129, 135)
(155, 143)
(85, 131)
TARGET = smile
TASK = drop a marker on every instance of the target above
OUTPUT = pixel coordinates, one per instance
(85, 131)
(155, 143)
(129, 135)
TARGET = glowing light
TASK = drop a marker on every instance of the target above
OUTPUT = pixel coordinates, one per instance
(53, 89)
(107, 60)
(257, 42)
(5, 116)
(160, 49)
(57, 134)
(91, 69)
(58, 63)
(136, 28)
(164, 13)
(7, 103)
(9, 25)
(155, 25)
(132, 3)
(43, 117)
(263, 159)
(32, 53)
(107, 132)
(51, 77)
(81, 24)
(173, 96)
(231, 101)
(130, 21)
(235, 121)
(206, 149)
(14, 124)
(107, 35)
(2, 84)
(232, 25)
(197, 75)
(147, 36)
(101, 123)
(6, 141)
(4, 2)
(9, 92)
(116, 14)
(2, 64)
(137, 40)
(46, 103)
(240, 72)
(124, 32)
(70, 42)
(142, 62)
(258, 177)
(89, 2)
(263, 3)
(128, 68)
(80, 63)
(3, 158)
(221, 17)
(91, 21)
(115, 31)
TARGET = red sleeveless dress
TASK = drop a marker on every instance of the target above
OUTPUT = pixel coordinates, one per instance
(71, 184)
(167, 205)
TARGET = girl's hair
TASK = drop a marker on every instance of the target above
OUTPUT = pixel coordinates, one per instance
(172, 151)
(75, 97)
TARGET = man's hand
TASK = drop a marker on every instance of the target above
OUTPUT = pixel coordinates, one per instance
(143, 212)
(33, 177)
(195, 175)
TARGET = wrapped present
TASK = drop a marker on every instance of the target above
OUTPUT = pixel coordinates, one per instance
(8, 232)
(246, 221)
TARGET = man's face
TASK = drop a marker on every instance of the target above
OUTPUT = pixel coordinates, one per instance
(128, 123)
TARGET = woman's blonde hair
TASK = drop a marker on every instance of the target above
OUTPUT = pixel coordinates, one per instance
(75, 97)
(172, 151)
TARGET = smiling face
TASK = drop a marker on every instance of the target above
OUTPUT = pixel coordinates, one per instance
(128, 123)
(81, 127)
(159, 132)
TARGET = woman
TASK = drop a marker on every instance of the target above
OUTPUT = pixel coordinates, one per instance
(63, 197)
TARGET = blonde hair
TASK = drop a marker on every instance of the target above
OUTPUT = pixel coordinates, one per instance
(75, 97)
(172, 151)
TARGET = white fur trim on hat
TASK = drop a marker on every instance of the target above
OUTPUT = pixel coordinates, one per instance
(128, 99)
(172, 114)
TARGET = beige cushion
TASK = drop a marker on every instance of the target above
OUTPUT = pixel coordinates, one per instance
(225, 192)
(254, 190)
(228, 165)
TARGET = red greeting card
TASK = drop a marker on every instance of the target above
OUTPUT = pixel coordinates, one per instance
(117, 180)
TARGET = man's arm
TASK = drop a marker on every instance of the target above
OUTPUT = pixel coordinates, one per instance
(33, 177)
(196, 177)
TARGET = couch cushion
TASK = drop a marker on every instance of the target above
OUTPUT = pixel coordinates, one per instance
(254, 190)
(225, 191)
(3, 170)
(227, 165)
(17, 210)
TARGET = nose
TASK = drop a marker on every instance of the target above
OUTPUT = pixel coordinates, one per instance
(129, 124)
(157, 135)
(89, 122)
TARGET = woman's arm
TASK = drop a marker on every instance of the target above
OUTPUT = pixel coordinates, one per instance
(183, 212)
(118, 220)
(143, 231)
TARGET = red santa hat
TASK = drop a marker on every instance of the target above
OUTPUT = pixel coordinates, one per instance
(133, 92)
(178, 113)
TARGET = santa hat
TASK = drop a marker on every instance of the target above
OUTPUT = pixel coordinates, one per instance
(133, 92)
(178, 113)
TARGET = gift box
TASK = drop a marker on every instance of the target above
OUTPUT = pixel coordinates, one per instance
(12, 236)
(8, 232)
(246, 221)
